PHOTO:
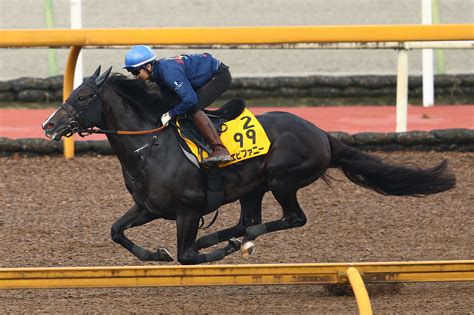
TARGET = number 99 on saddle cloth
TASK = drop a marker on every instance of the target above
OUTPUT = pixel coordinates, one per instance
(243, 136)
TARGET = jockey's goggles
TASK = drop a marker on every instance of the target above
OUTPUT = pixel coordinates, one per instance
(134, 71)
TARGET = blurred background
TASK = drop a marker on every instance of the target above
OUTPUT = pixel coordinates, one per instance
(38, 14)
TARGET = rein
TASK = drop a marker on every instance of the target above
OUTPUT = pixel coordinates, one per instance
(86, 132)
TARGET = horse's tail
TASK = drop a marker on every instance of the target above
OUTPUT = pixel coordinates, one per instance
(371, 172)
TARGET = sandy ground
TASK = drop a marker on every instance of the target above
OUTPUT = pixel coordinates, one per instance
(55, 212)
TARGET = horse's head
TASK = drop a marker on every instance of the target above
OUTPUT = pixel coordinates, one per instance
(81, 110)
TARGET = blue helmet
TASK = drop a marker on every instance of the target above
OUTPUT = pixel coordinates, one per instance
(137, 56)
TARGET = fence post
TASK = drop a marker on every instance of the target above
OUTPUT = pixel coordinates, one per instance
(76, 23)
(67, 89)
(360, 292)
(402, 90)
(427, 58)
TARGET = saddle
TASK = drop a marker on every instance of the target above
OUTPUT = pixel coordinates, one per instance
(239, 130)
(230, 110)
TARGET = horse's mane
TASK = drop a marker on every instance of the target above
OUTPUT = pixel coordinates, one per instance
(140, 94)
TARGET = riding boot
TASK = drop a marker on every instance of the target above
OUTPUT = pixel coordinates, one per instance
(209, 132)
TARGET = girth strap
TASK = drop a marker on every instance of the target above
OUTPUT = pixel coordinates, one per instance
(215, 188)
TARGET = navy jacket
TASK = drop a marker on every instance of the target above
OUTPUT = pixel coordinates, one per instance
(184, 74)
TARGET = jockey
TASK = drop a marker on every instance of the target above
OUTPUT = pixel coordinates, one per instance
(198, 80)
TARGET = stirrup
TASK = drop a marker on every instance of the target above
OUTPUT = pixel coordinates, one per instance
(216, 159)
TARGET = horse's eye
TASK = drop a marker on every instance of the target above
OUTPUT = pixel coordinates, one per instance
(81, 98)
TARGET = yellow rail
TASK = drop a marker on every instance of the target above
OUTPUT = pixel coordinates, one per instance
(286, 274)
(360, 292)
(77, 38)
(234, 35)
(135, 276)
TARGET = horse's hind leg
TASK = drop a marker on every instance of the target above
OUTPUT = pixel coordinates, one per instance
(250, 214)
(293, 216)
(137, 216)
(290, 165)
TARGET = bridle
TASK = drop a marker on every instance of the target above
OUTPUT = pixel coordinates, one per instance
(76, 119)
(76, 116)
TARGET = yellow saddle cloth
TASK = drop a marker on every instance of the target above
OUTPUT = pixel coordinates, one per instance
(243, 136)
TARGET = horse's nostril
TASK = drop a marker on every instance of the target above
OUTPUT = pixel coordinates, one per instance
(49, 126)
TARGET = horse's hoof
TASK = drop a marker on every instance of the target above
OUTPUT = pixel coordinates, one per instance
(164, 255)
(235, 243)
(247, 249)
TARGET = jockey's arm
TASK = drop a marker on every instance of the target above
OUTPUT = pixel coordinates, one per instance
(180, 84)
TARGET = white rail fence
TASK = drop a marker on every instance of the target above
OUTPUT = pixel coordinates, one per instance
(403, 49)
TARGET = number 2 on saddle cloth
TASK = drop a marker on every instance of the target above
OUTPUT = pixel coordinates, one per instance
(243, 136)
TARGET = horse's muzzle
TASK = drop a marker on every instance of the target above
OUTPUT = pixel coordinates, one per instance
(53, 132)
(56, 126)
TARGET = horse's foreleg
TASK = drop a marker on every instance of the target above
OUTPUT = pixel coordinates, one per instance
(137, 216)
(293, 216)
(187, 224)
(250, 214)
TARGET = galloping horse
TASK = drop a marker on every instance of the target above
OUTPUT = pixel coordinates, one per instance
(164, 184)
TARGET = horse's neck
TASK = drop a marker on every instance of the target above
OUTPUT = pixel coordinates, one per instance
(119, 114)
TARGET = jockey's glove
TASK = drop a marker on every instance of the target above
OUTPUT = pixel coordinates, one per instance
(165, 119)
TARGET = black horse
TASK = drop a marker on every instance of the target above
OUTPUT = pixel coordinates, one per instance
(164, 184)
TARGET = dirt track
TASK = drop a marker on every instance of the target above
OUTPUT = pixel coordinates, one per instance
(58, 213)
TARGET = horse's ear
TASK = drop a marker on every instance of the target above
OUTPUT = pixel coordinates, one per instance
(100, 80)
(97, 72)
